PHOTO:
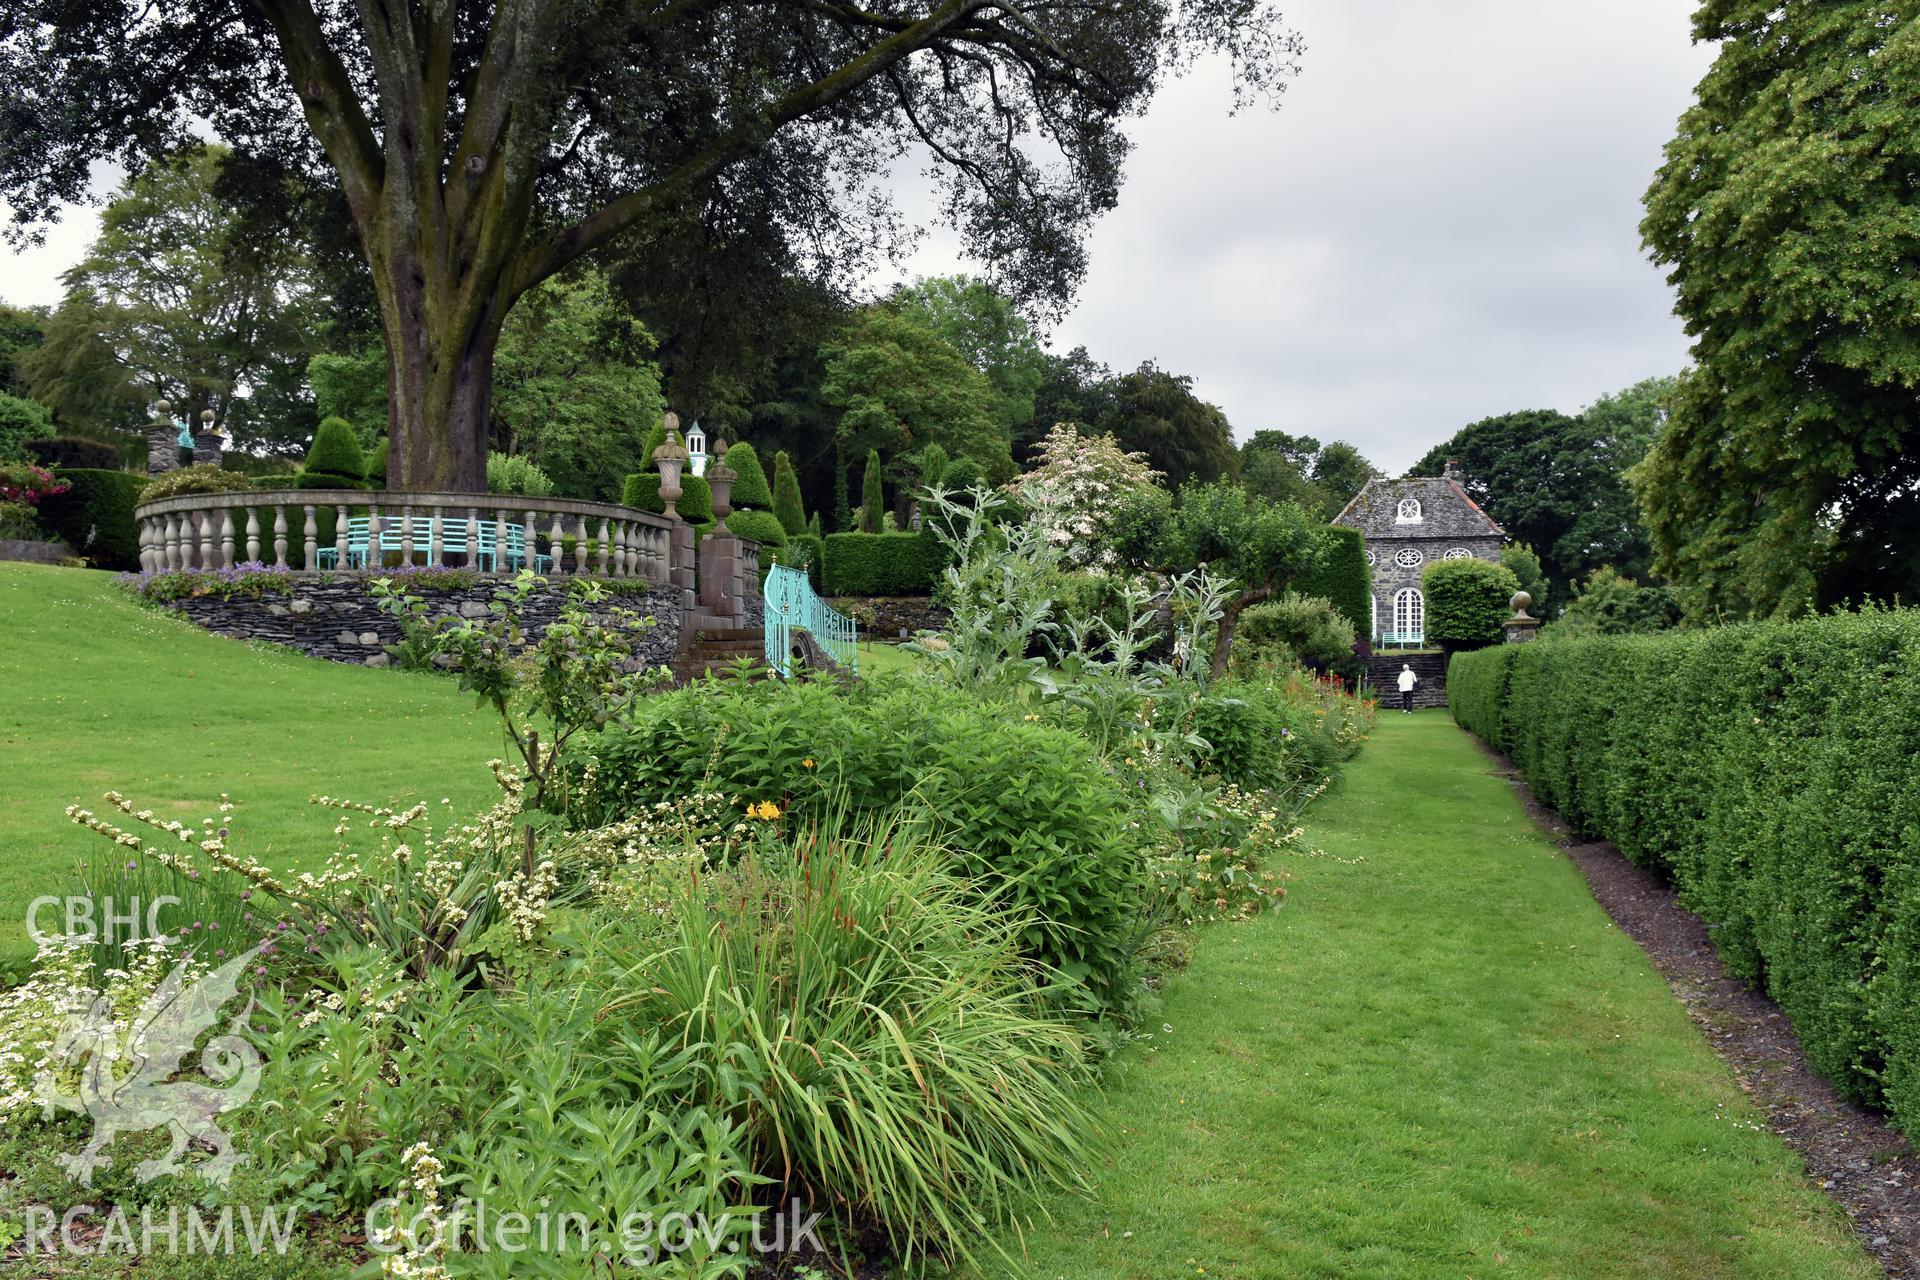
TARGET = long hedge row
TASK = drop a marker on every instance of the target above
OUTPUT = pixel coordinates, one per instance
(1772, 772)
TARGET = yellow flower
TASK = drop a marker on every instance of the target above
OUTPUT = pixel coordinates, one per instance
(807, 763)
(765, 809)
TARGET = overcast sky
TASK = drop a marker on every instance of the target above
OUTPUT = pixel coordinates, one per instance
(1439, 224)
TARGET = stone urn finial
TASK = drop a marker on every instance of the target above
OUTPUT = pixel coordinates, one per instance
(671, 458)
(720, 478)
(1522, 626)
(1520, 601)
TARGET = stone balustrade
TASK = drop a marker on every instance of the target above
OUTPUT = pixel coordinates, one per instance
(311, 530)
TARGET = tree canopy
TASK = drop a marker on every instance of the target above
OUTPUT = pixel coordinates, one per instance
(1184, 437)
(1790, 473)
(1284, 467)
(985, 327)
(483, 147)
(1554, 482)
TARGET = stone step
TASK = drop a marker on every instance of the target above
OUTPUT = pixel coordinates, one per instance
(730, 634)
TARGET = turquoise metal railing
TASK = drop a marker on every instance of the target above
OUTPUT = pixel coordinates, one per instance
(793, 606)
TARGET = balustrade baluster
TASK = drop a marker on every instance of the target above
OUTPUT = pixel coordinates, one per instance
(406, 536)
(436, 538)
(205, 521)
(376, 549)
(226, 537)
(619, 548)
(279, 536)
(253, 535)
(580, 544)
(527, 557)
(311, 545)
(605, 545)
(342, 537)
(499, 539)
(558, 546)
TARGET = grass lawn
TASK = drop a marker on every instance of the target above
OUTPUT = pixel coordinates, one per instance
(1440, 1062)
(884, 659)
(98, 693)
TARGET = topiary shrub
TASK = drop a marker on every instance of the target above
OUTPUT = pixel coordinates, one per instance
(95, 515)
(512, 473)
(761, 527)
(786, 495)
(750, 483)
(873, 499)
(377, 464)
(277, 480)
(76, 451)
(961, 475)
(201, 478)
(883, 564)
(1343, 578)
(335, 460)
(642, 492)
(1468, 602)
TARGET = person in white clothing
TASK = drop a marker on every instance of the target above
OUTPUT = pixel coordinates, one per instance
(1407, 682)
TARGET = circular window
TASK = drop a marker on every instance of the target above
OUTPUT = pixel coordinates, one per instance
(1372, 558)
(1407, 557)
(1457, 553)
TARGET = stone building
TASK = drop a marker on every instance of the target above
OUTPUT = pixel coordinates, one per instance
(1408, 524)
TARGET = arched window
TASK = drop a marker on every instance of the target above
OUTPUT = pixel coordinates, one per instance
(1409, 512)
(1457, 553)
(1408, 557)
(1409, 616)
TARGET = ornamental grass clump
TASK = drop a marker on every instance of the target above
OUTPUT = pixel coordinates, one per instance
(872, 1028)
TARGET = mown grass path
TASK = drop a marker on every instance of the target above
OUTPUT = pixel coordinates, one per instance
(1440, 1062)
(100, 694)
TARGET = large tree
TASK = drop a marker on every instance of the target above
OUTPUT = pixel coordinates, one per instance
(483, 146)
(1283, 467)
(1554, 482)
(986, 327)
(1790, 472)
(194, 303)
(1156, 413)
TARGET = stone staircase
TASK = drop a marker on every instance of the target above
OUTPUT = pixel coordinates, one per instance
(717, 649)
(1383, 669)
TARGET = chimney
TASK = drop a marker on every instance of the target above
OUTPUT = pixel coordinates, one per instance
(1454, 473)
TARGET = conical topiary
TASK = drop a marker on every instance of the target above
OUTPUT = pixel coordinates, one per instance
(786, 495)
(750, 480)
(334, 461)
(654, 438)
(842, 504)
(873, 499)
(813, 526)
(933, 465)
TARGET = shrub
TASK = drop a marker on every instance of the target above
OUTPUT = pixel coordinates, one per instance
(201, 478)
(1343, 578)
(76, 451)
(27, 483)
(807, 551)
(512, 473)
(642, 492)
(1024, 808)
(335, 460)
(21, 421)
(377, 464)
(1257, 737)
(962, 474)
(750, 482)
(1468, 601)
(873, 499)
(1612, 604)
(1768, 770)
(786, 495)
(277, 480)
(95, 516)
(883, 564)
(1300, 627)
(870, 1027)
(760, 526)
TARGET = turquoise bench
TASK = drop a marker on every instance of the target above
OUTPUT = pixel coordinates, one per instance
(453, 541)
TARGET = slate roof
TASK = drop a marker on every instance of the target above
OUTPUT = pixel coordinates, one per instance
(1445, 510)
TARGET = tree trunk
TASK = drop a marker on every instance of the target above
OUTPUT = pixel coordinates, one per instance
(1229, 623)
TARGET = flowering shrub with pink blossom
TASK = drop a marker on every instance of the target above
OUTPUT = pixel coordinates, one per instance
(23, 482)
(1080, 484)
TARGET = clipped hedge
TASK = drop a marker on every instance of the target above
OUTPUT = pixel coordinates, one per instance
(334, 461)
(1468, 602)
(883, 564)
(95, 515)
(1343, 578)
(77, 452)
(1773, 772)
(642, 492)
(806, 549)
